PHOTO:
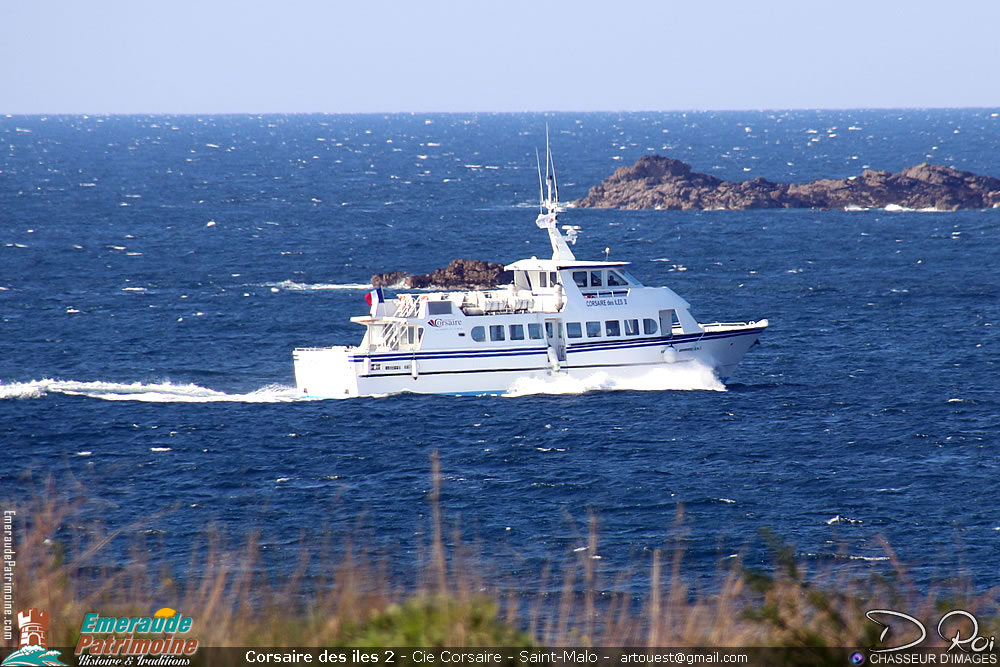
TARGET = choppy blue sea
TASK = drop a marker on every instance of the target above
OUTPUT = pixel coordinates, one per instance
(157, 271)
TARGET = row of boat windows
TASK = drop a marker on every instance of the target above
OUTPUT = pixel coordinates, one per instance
(599, 279)
(593, 278)
(594, 329)
(499, 332)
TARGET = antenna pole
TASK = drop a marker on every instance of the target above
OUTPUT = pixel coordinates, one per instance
(541, 190)
(550, 174)
(553, 183)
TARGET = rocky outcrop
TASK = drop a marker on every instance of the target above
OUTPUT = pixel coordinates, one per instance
(656, 182)
(459, 274)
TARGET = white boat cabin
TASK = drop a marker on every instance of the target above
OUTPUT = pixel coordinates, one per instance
(548, 299)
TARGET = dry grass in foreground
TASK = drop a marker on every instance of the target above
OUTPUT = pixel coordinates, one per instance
(354, 603)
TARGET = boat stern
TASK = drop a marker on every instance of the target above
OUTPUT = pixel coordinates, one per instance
(324, 372)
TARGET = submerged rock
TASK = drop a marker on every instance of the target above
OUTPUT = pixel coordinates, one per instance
(459, 274)
(656, 182)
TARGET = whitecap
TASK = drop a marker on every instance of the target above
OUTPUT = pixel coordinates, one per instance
(159, 449)
(293, 286)
(842, 519)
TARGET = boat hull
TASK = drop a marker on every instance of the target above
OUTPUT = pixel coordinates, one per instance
(342, 372)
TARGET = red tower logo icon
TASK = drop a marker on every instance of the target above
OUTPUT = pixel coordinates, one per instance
(34, 625)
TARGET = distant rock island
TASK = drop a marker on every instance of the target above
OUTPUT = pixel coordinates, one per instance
(656, 182)
(459, 274)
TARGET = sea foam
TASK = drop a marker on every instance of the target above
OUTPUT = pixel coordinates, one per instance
(160, 392)
(682, 376)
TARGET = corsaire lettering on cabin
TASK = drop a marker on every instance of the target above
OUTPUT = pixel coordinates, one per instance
(592, 303)
(443, 323)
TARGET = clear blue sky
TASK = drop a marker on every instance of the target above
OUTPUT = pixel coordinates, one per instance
(214, 56)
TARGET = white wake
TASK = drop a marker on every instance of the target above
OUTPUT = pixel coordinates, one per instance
(159, 392)
(681, 376)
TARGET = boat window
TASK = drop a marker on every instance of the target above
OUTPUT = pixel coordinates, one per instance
(648, 326)
(439, 307)
(668, 319)
(553, 278)
(414, 335)
(615, 279)
(573, 330)
(631, 327)
(521, 280)
(580, 278)
(478, 334)
(613, 328)
(595, 279)
(593, 329)
(543, 279)
(535, 331)
(496, 332)
(517, 332)
(632, 280)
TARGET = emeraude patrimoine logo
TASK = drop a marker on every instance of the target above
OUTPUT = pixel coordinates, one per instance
(33, 648)
(99, 635)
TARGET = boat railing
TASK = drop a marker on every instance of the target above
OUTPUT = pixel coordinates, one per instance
(407, 306)
(392, 334)
(501, 302)
(729, 325)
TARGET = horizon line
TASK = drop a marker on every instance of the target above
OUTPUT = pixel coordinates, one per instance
(6, 114)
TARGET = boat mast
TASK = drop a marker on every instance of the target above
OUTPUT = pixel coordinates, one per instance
(549, 207)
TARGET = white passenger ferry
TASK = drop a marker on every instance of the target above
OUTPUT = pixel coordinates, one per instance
(559, 317)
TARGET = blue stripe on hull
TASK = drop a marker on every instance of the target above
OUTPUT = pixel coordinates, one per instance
(605, 345)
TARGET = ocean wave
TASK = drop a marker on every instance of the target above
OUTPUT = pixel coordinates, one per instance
(842, 520)
(293, 286)
(160, 392)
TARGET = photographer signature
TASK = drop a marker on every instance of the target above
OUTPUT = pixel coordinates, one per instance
(974, 642)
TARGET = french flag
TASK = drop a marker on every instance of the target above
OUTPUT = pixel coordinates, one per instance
(374, 298)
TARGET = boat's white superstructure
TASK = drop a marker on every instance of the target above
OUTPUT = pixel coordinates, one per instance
(559, 316)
